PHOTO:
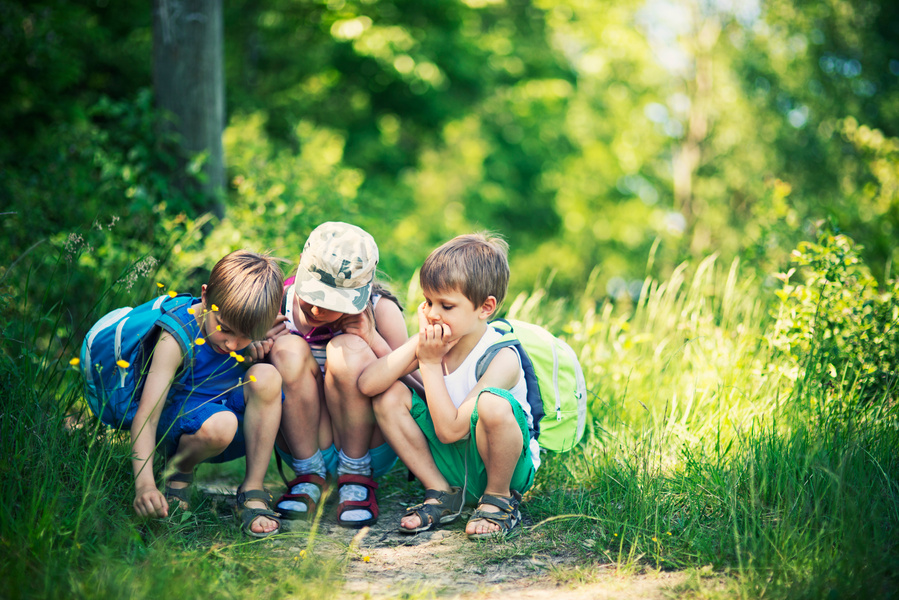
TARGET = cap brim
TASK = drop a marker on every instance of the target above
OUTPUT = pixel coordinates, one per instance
(349, 301)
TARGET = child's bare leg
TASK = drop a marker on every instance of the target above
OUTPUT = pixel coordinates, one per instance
(353, 419)
(301, 411)
(351, 411)
(261, 420)
(500, 445)
(393, 411)
(210, 440)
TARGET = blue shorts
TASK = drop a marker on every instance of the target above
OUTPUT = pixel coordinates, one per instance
(186, 416)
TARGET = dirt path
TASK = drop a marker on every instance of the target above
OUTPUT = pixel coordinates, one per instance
(446, 564)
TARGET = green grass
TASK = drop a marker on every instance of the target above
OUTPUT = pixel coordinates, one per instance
(710, 452)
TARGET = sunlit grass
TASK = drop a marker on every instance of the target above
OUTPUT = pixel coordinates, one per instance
(707, 454)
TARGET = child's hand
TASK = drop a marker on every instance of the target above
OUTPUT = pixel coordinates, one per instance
(278, 329)
(258, 350)
(362, 325)
(433, 339)
(149, 502)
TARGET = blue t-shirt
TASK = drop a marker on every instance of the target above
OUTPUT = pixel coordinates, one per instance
(209, 375)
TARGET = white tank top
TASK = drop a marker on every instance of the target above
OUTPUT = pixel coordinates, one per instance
(461, 381)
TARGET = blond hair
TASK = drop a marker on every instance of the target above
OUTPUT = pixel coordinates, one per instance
(246, 287)
(475, 264)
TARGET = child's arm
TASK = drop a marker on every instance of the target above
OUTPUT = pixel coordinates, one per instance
(167, 358)
(450, 423)
(384, 372)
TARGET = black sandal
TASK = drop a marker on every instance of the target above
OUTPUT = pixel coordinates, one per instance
(445, 511)
(248, 515)
(508, 518)
(179, 495)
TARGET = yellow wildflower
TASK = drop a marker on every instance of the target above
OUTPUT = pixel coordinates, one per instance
(173, 293)
(74, 362)
(218, 327)
(239, 358)
(123, 363)
(215, 308)
(190, 311)
(160, 285)
(253, 378)
(199, 341)
(366, 559)
(302, 554)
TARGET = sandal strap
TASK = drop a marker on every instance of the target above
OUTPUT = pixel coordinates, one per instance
(314, 478)
(506, 505)
(177, 493)
(362, 480)
(181, 477)
(370, 503)
(244, 496)
(433, 512)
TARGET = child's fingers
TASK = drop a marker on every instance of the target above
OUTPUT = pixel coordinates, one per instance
(422, 318)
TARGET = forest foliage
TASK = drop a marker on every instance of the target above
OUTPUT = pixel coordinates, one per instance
(594, 136)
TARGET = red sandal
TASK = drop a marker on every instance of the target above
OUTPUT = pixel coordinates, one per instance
(306, 499)
(370, 503)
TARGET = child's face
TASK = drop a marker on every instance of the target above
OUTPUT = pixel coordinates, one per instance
(315, 316)
(454, 309)
(222, 337)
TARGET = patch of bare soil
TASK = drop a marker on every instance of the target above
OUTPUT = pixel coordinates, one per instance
(444, 563)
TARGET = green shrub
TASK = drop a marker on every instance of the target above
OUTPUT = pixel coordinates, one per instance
(834, 324)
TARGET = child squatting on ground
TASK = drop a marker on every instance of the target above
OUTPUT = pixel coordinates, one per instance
(224, 411)
(471, 440)
(341, 321)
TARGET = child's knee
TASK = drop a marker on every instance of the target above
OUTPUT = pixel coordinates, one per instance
(217, 432)
(348, 355)
(291, 355)
(395, 400)
(263, 381)
(494, 410)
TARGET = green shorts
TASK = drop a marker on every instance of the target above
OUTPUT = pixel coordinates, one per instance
(451, 458)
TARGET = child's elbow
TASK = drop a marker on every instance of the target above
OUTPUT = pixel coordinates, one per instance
(447, 435)
(366, 387)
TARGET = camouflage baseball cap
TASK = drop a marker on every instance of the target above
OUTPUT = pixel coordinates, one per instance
(337, 268)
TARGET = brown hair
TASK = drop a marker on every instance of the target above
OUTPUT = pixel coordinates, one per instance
(247, 289)
(476, 265)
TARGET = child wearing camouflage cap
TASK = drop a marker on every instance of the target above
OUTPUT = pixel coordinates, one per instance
(342, 321)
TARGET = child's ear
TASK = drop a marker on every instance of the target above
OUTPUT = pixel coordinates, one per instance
(488, 307)
(203, 294)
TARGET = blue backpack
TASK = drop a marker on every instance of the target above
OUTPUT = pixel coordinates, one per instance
(557, 393)
(113, 388)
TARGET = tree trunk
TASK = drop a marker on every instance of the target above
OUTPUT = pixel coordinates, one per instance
(188, 80)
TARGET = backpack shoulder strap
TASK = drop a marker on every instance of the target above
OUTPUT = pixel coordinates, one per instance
(509, 340)
(169, 321)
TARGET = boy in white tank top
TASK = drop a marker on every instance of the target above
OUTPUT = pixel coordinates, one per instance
(471, 439)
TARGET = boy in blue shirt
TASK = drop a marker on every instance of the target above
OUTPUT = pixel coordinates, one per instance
(223, 411)
(470, 441)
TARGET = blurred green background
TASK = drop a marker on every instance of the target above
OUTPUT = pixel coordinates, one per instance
(607, 140)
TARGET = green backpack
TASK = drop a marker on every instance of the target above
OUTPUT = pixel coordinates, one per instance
(557, 393)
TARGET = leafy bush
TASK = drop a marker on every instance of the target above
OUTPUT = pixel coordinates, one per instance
(835, 321)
